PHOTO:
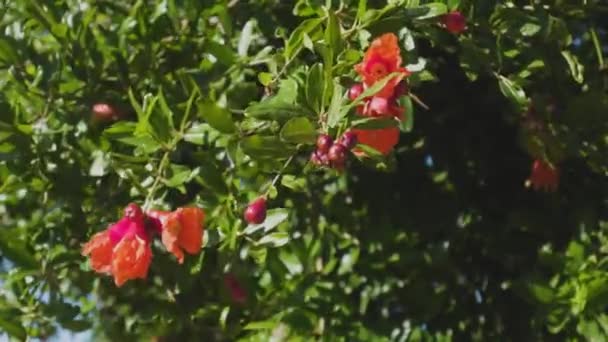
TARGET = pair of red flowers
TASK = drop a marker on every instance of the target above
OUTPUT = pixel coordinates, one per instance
(381, 59)
(124, 250)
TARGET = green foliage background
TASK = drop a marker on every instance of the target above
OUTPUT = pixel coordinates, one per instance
(439, 241)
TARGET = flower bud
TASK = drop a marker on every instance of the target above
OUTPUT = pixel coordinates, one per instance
(256, 211)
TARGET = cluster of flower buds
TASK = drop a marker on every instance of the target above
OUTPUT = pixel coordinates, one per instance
(330, 153)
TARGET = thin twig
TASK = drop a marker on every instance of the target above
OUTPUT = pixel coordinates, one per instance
(276, 178)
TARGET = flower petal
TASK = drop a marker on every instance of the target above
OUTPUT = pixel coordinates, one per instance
(100, 250)
(170, 234)
(382, 58)
(382, 140)
(131, 259)
(191, 236)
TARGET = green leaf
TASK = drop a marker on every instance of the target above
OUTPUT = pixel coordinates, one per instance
(426, 11)
(296, 40)
(541, 292)
(259, 146)
(315, 88)
(348, 261)
(160, 119)
(261, 325)
(8, 52)
(265, 78)
(333, 35)
(577, 70)
(334, 114)
(144, 143)
(374, 123)
(453, 4)
(274, 217)
(99, 167)
(513, 92)
(277, 239)
(216, 116)
(246, 37)
(299, 130)
(76, 325)
(196, 134)
(371, 91)
(180, 175)
(288, 91)
(407, 121)
(361, 9)
(294, 183)
(222, 52)
(16, 250)
(370, 152)
(275, 110)
(12, 326)
(136, 106)
(224, 317)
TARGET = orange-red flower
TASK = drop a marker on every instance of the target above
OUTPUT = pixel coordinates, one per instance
(123, 250)
(383, 140)
(544, 176)
(381, 59)
(181, 230)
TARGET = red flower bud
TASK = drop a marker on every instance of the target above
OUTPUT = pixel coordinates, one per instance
(544, 176)
(337, 154)
(105, 112)
(348, 140)
(314, 158)
(133, 211)
(237, 293)
(256, 211)
(324, 142)
(355, 91)
(454, 22)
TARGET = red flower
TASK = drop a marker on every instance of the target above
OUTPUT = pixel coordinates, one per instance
(544, 176)
(381, 59)
(123, 250)
(454, 22)
(237, 292)
(382, 140)
(181, 230)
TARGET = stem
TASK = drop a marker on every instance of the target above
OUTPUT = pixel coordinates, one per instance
(164, 162)
(598, 48)
(159, 175)
(419, 101)
(276, 178)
